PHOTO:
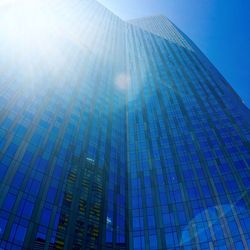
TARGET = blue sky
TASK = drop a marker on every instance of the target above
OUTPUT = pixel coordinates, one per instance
(220, 28)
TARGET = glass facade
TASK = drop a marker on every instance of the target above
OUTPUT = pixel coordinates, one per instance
(116, 135)
(188, 147)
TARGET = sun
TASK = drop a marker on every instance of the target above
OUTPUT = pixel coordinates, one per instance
(35, 36)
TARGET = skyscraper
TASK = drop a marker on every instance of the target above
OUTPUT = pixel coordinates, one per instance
(116, 135)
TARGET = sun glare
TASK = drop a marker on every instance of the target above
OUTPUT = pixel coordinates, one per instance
(33, 35)
(27, 23)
